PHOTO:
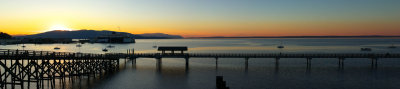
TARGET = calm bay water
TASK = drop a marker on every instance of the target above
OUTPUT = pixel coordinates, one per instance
(261, 74)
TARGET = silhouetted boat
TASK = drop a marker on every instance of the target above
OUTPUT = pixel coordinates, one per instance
(155, 45)
(366, 49)
(110, 46)
(392, 46)
(23, 46)
(281, 46)
(105, 50)
(56, 48)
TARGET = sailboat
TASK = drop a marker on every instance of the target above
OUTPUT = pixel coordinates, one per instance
(109, 40)
(23, 46)
(281, 46)
(105, 50)
(57, 48)
(155, 45)
(392, 46)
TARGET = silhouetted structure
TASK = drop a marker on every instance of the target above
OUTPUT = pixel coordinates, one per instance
(24, 67)
(220, 83)
(276, 56)
(5, 36)
(38, 66)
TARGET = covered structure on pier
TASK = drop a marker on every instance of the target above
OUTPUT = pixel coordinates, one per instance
(172, 49)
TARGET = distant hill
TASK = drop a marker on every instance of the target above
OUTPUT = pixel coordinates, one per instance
(87, 34)
(158, 35)
(367, 36)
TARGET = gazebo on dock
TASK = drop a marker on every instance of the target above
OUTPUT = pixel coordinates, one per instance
(172, 49)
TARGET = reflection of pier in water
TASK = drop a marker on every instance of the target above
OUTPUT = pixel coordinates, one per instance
(43, 66)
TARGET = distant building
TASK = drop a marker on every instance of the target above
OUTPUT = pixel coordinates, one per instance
(114, 38)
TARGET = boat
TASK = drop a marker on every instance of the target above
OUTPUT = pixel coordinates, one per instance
(110, 46)
(105, 50)
(56, 48)
(281, 46)
(366, 49)
(392, 46)
(155, 45)
(23, 46)
(78, 45)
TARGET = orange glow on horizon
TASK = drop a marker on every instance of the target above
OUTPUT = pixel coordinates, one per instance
(206, 29)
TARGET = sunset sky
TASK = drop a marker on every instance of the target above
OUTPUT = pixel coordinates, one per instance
(199, 18)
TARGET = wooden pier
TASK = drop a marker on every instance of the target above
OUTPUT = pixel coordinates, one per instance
(20, 68)
(247, 56)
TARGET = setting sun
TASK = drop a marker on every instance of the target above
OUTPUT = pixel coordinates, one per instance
(58, 27)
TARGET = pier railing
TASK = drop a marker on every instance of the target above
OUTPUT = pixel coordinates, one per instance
(264, 55)
(19, 67)
(32, 53)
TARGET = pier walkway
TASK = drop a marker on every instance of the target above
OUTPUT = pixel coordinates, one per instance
(20, 67)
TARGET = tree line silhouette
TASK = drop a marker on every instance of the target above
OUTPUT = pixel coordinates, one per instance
(5, 36)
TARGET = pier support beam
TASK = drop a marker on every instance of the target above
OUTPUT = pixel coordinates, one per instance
(133, 61)
(159, 64)
(246, 64)
(277, 65)
(309, 62)
(187, 63)
(216, 63)
(277, 61)
(341, 63)
(374, 63)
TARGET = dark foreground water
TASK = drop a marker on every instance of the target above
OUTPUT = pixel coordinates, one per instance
(261, 74)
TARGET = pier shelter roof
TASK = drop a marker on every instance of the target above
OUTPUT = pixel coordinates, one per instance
(172, 48)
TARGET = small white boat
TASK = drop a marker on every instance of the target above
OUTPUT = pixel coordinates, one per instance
(105, 50)
(56, 48)
(366, 49)
(392, 46)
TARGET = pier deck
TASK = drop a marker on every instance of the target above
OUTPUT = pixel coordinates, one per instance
(19, 67)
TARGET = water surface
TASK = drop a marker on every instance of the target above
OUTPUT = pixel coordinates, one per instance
(261, 74)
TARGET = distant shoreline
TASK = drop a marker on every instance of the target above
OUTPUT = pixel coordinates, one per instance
(296, 37)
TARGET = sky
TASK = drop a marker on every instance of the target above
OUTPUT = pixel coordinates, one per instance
(201, 18)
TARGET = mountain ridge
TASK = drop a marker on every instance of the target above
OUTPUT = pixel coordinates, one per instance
(88, 34)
